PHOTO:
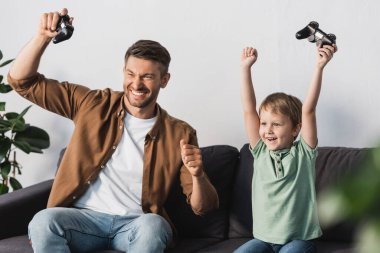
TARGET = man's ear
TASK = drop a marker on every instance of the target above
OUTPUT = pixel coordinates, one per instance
(165, 80)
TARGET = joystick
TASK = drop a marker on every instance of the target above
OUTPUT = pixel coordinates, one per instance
(314, 34)
(64, 29)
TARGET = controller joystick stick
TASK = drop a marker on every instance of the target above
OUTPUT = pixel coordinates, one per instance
(64, 28)
(314, 34)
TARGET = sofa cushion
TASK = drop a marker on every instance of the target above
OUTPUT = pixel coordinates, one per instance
(16, 244)
(188, 245)
(335, 247)
(22, 204)
(219, 162)
(241, 206)
(226, 246)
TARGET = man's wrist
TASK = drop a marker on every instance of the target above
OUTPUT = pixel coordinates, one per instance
(200, 174)
(42, 39)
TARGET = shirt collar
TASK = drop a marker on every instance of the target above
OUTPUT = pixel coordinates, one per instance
(160, 113)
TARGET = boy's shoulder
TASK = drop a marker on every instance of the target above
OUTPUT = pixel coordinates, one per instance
(301, 148)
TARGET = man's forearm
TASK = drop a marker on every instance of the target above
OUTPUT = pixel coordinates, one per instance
(204, 197)
(27, 62)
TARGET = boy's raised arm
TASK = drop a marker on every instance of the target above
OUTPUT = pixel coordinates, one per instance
(309, 121)
(248, 98)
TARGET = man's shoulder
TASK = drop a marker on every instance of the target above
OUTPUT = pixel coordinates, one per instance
(174, 122)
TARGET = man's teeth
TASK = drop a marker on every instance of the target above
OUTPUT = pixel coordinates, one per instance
(137, 93)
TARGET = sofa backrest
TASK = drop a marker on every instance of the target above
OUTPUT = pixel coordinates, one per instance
(220, 162)
(240, 219)
(333, 164)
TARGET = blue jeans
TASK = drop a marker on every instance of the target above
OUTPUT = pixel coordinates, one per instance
(295, 246)
(62, 230)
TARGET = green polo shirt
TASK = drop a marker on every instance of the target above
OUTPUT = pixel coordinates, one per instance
(284, 204)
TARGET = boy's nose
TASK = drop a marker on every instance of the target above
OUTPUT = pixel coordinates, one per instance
(269, 130)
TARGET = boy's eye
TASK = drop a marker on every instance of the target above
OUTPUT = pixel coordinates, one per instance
(263, 123)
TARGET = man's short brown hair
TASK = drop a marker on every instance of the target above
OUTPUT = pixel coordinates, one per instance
(150, 50)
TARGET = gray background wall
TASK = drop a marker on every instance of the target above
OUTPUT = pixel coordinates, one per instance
(205, 39)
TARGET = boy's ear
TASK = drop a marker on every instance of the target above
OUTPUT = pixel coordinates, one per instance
(297, 129)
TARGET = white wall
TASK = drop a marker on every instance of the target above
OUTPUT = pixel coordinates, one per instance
(205, 39)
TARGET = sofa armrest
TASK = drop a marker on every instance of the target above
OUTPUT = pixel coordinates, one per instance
(18, 208)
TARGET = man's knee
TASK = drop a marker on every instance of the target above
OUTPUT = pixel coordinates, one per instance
(153, 226)
(46, 220)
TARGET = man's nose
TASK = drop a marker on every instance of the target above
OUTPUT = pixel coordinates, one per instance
(136, 81)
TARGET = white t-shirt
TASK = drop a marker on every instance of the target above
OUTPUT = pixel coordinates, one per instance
(118, 188)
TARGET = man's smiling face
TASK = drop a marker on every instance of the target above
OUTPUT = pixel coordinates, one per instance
(142, 82)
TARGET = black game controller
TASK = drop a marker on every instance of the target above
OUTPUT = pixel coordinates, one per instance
(64, 29)
(314, 34)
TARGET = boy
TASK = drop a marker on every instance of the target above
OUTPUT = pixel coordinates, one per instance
(283, 194)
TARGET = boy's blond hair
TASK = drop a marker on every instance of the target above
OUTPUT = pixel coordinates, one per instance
(285, 104)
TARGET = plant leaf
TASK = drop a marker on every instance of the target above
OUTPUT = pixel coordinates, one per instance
(5, 88)
(35, 137)
(36, 150)
(3, 189)
(15, 183)
(5, 145)
(6, 63)
(24, 146)
(5, 126)
(5, 168)
(24, 112)
(1, 55)
(2, 106)
(13, 115)
(368, 237)
(18, 125)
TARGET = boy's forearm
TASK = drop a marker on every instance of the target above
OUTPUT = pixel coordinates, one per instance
(312, 97)
(247, 91)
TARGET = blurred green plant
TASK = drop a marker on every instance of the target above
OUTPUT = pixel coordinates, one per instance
(357, 198)
(15, 133)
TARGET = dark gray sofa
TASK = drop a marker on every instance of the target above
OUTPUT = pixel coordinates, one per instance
(223, 230)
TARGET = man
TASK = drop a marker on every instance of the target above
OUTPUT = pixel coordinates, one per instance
(122, 160)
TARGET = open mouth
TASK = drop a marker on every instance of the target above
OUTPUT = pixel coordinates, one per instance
(271, 139)
(138, 93)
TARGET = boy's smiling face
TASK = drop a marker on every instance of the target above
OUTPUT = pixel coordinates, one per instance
(276, 130)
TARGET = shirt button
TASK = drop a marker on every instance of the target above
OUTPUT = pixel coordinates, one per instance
(113, 147)
(74, 197)
(102, 166)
